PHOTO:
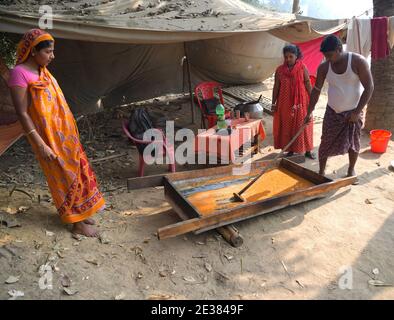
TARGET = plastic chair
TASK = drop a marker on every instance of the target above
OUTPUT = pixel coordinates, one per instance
(165, 149)
(206, 90)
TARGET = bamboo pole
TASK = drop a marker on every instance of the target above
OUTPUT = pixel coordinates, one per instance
(296, 6)
(189, 82)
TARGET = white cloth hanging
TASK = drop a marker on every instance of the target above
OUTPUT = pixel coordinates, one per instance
(359, 37)
(391, 32)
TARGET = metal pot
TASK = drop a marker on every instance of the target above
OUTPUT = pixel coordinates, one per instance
(254, 108)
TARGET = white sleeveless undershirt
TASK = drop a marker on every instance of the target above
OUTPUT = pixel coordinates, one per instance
(344, 90)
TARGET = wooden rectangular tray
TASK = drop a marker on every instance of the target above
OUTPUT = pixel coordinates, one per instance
(189, 192)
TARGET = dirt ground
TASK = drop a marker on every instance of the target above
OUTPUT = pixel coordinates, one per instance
(296, 253)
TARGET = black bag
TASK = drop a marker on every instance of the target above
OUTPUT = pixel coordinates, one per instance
(209, 105)
(139, 122)
(158, 120)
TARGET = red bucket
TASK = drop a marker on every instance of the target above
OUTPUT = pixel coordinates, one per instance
(379, 140)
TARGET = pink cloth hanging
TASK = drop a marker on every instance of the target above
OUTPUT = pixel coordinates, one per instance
(379, 33)
(312, 55)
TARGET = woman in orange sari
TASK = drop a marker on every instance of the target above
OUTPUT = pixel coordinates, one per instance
(53, 134)
(290, 99)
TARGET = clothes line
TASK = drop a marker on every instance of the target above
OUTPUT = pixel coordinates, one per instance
(373, 36)
(364, 36)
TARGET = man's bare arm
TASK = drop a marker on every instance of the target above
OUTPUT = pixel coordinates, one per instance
(364, 73)
(315, 94)
(307, 81)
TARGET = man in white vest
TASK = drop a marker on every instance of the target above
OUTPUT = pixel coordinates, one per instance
(350, 87)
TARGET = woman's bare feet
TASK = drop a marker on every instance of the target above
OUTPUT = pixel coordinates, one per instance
(85, 229)
(89, 221)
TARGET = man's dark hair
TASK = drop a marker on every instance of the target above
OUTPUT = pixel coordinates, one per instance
(294, 50)
(331, 43)
(43, 45)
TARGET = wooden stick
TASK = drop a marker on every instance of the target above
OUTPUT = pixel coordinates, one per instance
(231, 235)
(109, 157)
(189, 82)
(238, 196)
(21, 191)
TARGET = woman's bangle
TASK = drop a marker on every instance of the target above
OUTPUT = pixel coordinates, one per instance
(30, 132)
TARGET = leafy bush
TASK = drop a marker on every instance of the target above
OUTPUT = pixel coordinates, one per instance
(7, 49)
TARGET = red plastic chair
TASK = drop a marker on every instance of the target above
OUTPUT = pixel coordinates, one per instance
(166, 149)
(206, 90)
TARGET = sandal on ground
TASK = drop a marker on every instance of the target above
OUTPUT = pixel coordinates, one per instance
(310, 155)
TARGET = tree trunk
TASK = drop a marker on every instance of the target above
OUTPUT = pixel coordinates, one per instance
(296, 6)
(380, 113)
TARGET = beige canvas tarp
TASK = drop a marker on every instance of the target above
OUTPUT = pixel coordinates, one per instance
(126, 50)
(248, 58)
(153, 21)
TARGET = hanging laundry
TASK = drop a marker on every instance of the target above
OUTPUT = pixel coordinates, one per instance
(379, 29)
(391, 32)
(358, 38)
(312, 57)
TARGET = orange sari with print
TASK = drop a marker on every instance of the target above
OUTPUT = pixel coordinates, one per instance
(71, 180)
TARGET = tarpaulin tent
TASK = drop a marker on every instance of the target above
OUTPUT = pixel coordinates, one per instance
(127, 50)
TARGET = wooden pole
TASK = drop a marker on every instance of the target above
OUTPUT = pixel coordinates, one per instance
(190, 82)
(296, 6)
(231, 235)
(109, 157)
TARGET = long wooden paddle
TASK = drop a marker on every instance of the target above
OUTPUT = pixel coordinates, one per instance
(238, 196)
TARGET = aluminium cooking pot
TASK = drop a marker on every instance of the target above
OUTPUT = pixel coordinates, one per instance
(254, 108)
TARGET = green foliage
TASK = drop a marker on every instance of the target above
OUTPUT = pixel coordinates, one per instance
(7, 49)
